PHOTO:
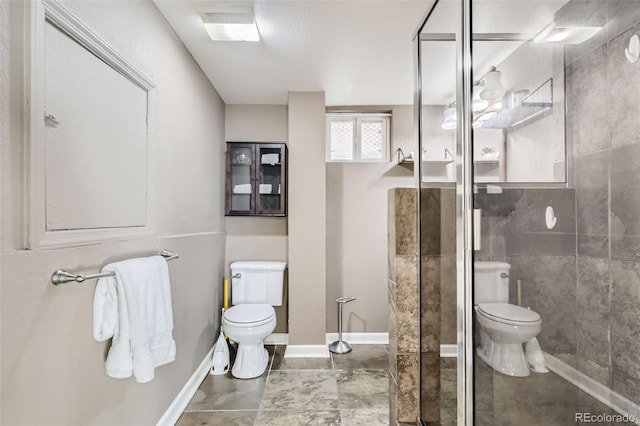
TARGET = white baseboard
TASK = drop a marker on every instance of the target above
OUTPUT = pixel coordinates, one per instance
(446, 351)
(173, 413)
(306, 351)
(596, 389)
(277, 339)
(360, 338)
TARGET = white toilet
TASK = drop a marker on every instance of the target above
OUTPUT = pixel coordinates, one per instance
(255, 288)
(503, 327)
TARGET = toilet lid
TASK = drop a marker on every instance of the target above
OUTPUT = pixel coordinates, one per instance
(249, 313)
(508, 312)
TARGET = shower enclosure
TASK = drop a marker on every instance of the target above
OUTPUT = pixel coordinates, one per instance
(528, 116)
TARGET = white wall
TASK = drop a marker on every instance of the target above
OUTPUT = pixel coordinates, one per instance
(357, 231)
(52, 370)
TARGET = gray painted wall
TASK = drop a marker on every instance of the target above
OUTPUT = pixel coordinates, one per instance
(307, 219)
(52, 369)
(357, 231)
(257, 238)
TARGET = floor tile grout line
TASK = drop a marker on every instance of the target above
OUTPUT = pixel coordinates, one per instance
(335, 371)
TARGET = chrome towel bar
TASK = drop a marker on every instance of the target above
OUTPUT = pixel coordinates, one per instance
(61, 276)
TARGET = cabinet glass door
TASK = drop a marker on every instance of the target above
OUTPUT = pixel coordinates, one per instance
(270, 159)
(240, 166)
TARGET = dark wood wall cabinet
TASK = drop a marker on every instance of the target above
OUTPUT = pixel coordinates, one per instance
(256, 183)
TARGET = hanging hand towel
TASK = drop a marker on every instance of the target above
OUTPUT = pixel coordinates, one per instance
(134, 308)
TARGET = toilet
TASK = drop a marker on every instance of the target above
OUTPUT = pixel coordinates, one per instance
(503, 327)
(256, 287)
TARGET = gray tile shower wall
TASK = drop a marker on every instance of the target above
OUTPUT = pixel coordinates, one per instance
(625, 200)
(623, 83)
(438, 251)
(513, 222)
(593, 296)
(592, 203)
(403, 305)
(625, 328)
(586, 94)
(549, 288)
(603, 104)
(417, 327)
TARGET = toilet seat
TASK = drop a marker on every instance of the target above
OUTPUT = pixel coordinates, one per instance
(249, 315)
(507, 313)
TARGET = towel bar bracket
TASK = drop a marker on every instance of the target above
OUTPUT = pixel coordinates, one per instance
(61, 276)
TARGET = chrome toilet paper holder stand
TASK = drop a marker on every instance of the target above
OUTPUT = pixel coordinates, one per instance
(340, 346)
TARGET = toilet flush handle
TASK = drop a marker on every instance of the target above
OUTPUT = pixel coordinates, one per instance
(504, 275)
(237, 275)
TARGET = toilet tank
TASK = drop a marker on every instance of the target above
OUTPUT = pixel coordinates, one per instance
(257, 282)
(490, 282)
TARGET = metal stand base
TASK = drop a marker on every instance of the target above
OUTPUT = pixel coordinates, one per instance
(340, 347)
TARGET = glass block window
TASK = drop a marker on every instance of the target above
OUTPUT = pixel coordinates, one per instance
(357, 137)
(372, 140)
(342, 134)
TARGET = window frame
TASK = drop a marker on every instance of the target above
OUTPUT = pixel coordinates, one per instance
(357, 119)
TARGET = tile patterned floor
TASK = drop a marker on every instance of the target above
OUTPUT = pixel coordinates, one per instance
(536, 400)
(352, 390)
(349, 390)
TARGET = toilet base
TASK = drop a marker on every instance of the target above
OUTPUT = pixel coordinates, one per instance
(251, 361)
(506, 358)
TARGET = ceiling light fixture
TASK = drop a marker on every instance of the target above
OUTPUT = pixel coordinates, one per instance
(554, 33)
(493, 88)
(234, 24)
(486, 101)
(477, 103)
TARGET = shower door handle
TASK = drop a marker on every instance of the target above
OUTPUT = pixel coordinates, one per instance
(477, 233)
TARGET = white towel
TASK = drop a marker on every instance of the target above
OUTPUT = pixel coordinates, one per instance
(134, 307)
(265, 188)
(242, 189)
(270, 159)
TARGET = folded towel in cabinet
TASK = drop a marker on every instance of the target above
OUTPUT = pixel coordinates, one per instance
(270, 159)
(242, 189)
(265, 188)
(134, 308)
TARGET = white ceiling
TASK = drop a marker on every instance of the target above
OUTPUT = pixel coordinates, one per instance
(359, 52)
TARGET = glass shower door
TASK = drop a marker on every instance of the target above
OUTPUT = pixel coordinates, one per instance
(437, 117)
(533, 229)
(554, 150)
